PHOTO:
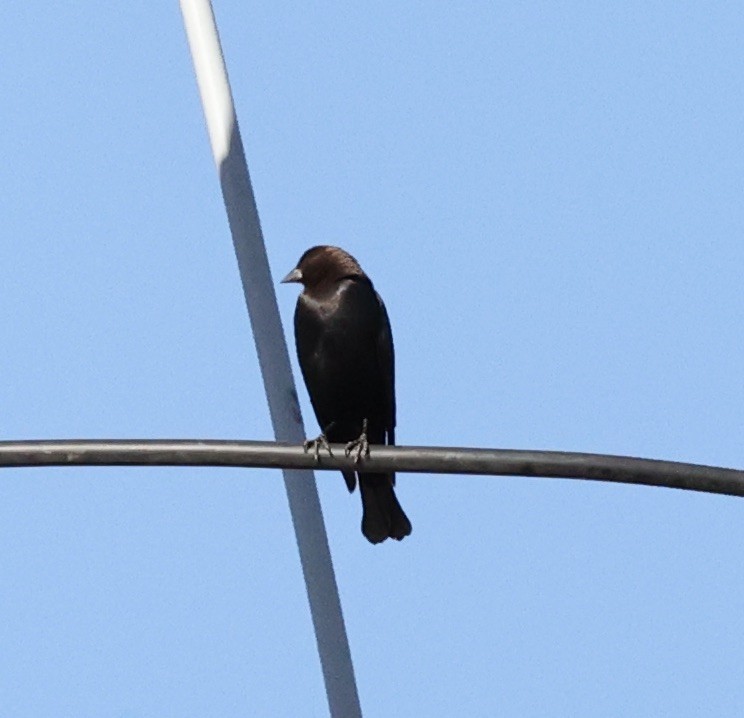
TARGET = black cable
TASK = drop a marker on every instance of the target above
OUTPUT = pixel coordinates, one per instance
(418, 459)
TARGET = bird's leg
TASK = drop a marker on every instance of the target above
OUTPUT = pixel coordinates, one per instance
(316, 444)
(361, 444)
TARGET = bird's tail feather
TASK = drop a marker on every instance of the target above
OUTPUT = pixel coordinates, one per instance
(350, 479)
(382, 515)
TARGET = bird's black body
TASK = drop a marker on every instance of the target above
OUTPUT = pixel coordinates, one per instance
(345, 350)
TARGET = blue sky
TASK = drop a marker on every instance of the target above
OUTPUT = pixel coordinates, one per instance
(549, 198)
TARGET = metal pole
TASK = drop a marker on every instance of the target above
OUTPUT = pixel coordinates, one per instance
(419, 459)
(242, 214)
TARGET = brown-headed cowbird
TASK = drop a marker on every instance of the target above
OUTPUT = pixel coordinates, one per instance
(345, 349)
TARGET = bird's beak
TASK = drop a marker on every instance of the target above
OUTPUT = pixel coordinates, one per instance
(294, 276)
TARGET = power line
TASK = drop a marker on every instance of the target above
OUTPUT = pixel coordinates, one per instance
(415, 459)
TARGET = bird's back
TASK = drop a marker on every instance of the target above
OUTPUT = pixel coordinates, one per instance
(338, 345)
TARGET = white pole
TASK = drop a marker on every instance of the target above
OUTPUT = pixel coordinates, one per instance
(242, 214)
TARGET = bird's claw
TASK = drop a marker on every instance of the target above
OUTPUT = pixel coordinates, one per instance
(360, 445)
(316, 444)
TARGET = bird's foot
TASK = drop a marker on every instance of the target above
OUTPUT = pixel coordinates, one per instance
(360, 445)
(316, 445)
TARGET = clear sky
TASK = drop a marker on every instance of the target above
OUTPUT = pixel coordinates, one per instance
(549, 198)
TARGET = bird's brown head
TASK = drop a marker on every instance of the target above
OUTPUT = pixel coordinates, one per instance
(324, 264)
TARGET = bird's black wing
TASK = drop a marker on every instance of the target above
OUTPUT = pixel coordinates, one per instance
(386, 358)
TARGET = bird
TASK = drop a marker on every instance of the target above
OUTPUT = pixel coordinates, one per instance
(345, 350)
